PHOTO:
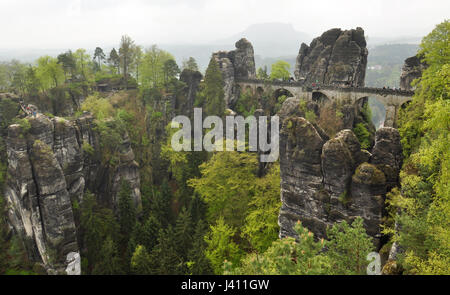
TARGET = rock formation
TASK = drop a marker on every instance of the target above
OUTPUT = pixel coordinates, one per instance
(336, 57)
(236, 64)
(192, 80)
(49, 167)
(324, 181)
(412, 69)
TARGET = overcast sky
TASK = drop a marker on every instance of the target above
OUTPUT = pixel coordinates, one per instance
(83, 23)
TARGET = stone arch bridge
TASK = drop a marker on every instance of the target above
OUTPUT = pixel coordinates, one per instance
(390, 98)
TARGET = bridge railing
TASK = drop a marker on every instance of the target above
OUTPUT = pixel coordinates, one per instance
(308, 87)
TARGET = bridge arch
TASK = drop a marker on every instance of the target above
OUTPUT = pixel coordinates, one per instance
(320, 97)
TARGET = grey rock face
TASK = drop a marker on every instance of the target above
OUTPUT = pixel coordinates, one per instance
(192, 80)
(387, 154)
(326, 181)
(412, 69)
(336, 57)
(236, 64)
(48, 169)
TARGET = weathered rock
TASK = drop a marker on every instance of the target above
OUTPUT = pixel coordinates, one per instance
(243, 59)
(50, 166)
(367, 190)
(338, 163)
(387, 154)
(328, 181)
(235, 64)
(412, 69)
(336, 57)
(301, 175)
(192, 80)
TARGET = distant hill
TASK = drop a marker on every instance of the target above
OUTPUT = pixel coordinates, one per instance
(271, 39)
(385, 63)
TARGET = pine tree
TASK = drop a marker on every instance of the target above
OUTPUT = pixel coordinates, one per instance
(184, 230)
(110, 262)
(198, 263)
(164, 256)
(127, 212)
(140, 261)
(213, 93)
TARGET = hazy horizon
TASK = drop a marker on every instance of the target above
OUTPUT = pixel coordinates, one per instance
(52, 24)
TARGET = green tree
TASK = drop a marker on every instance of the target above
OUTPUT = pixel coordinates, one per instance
(190, 64)
(99, 57)
(96, 225)
(280, 70)
(226, 185)
(184, 229)
(197, 262)
(126, 55)
(424, 200)
(261, 220)
(170, 69)
(212, 97)
(127, 212)
(140, 261)
(164, 255)
(221, 247)
(49, 72)
(68, 62)
(287, 257)
(109, 262)
(348, 248)
(114, 60)
(152, 68)
(261, 73)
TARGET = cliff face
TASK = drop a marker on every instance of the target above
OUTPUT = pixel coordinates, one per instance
(48, 169)
(238, 63)
(412, 69)
(192, 80)
(336, 57)
(324, 181)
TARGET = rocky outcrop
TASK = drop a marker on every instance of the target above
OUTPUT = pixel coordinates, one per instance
(192, 80)
(236, 64)
(51, 162)
(336, 57)
(387, 154)
(412, 69)
(327, 181)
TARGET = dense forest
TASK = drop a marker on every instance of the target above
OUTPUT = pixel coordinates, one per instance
(217, 212)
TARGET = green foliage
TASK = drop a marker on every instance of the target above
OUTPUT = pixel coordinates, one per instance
(246, 104)
(286, 257)
(8, 110)
(127, 212)
(197, 262)
(348, 248)
(87, 148)
(109, 262)
(424, 199)
(280, 70)
(101, 108)
(262, 74)
(261, 221)
(226, 185)
(140, 261)
(190, 64)
(49, 72)
(363, 135)
(153, 73)
(96, 225)
(211, 97)
(221, 248)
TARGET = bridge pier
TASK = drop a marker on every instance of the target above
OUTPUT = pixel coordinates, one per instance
(391, 116)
